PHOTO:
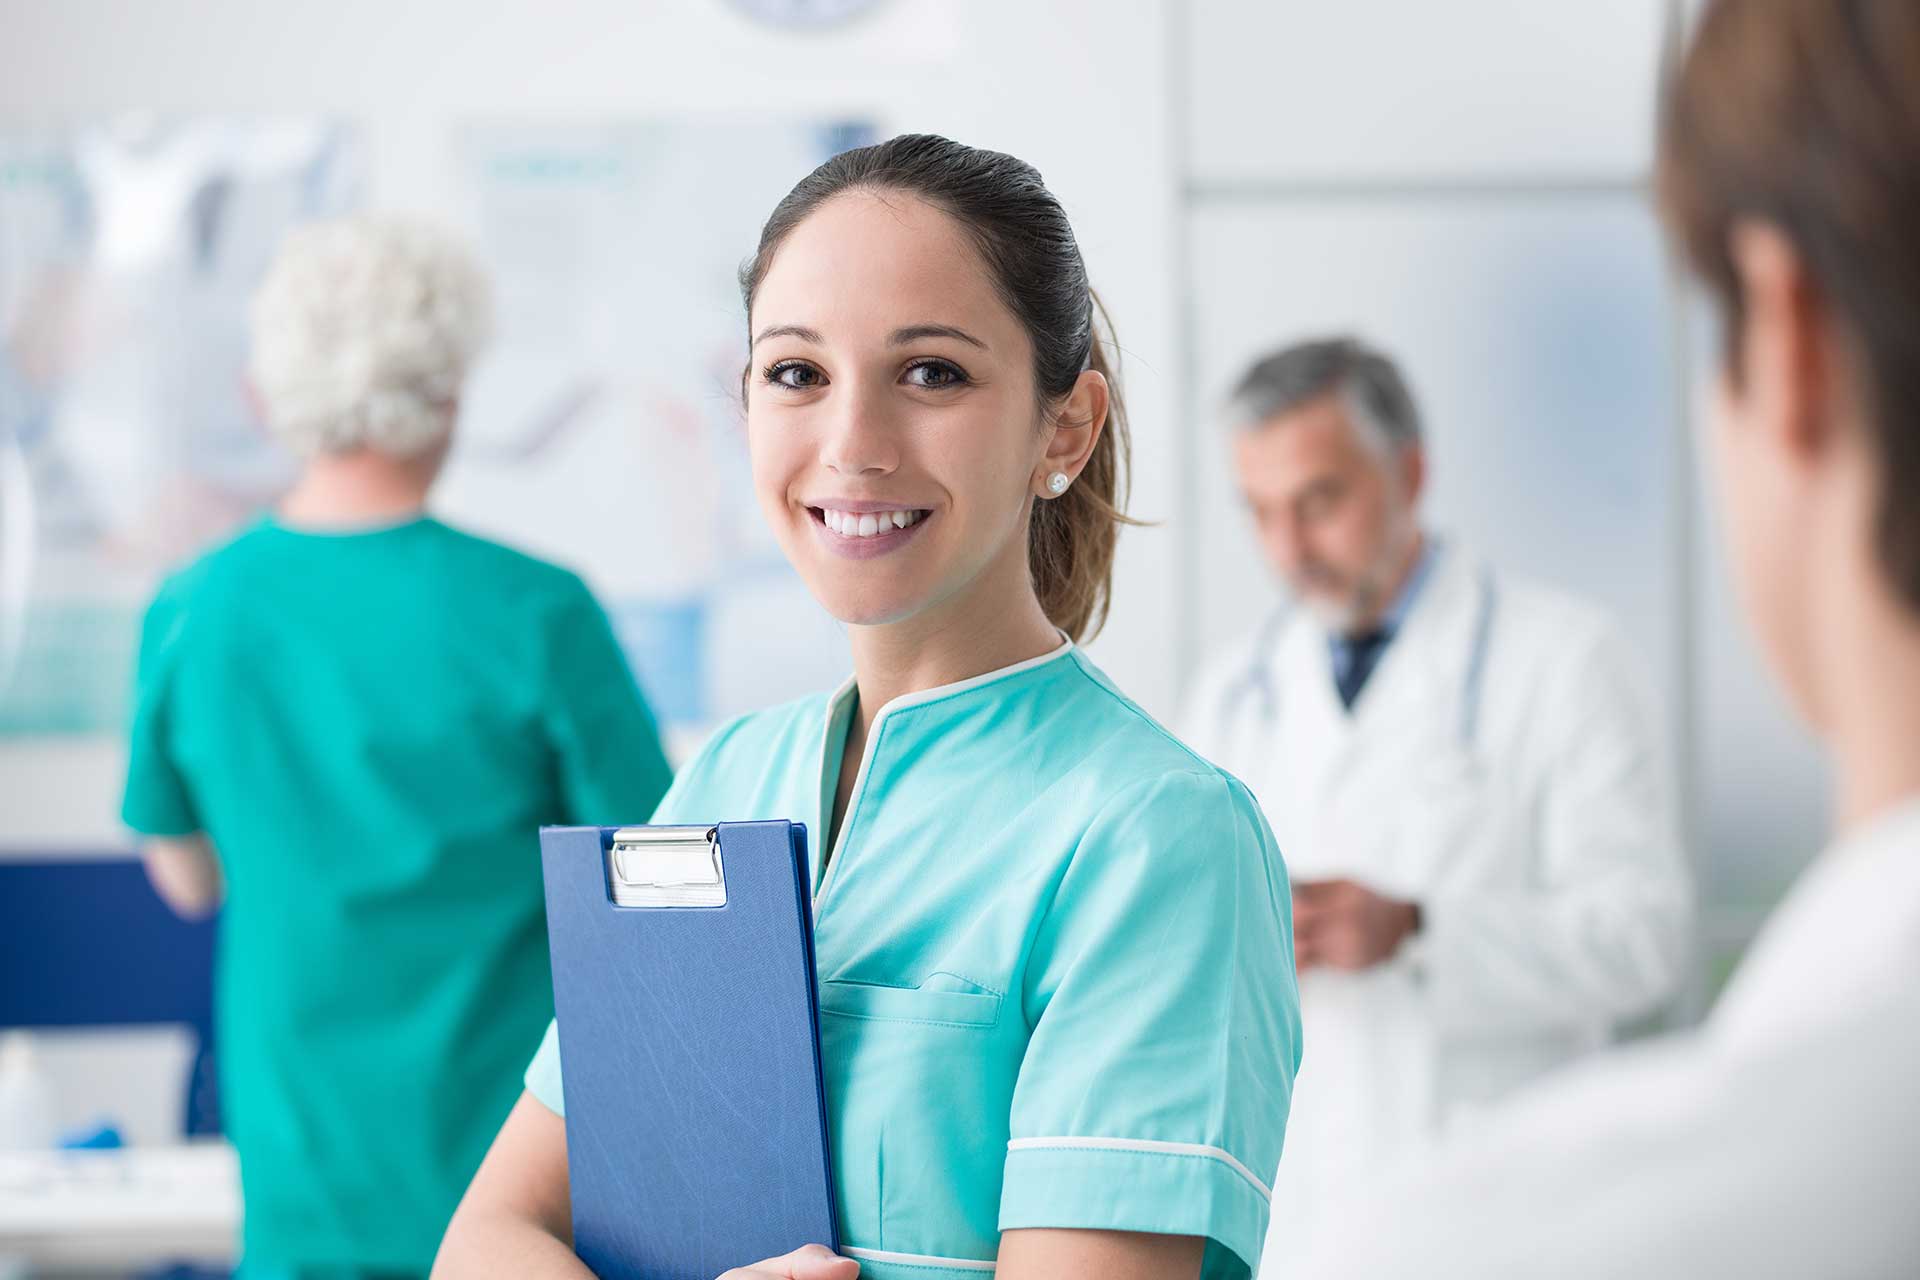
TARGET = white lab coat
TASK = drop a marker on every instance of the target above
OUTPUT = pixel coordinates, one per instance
(1501, 767)
(1781, 1138)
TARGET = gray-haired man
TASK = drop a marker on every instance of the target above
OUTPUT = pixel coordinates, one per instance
(1462, 774)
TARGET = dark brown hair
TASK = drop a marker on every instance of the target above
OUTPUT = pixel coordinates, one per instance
(1023, 235)
(1805, 115)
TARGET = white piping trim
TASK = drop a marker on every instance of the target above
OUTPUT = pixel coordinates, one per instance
(920, 1259)
(919, 696)
(846, 687)
(1145, 1145)
(839, 696)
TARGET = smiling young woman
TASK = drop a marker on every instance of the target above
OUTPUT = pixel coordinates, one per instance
(1059, 1021)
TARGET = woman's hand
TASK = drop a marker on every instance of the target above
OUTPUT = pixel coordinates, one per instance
(813, 1262)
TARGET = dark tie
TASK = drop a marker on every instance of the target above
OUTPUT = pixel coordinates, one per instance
(1354, 658)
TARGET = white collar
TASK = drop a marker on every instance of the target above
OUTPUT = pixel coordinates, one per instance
(1849, 928)
(850, 686)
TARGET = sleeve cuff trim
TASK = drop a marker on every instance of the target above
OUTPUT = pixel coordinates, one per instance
(918, 1260)
(1144, 1145)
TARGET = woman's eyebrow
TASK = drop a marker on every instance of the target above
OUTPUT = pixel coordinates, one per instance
(799, 331)
(913, 333)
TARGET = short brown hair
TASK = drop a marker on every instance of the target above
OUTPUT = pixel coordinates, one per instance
(1805, 115)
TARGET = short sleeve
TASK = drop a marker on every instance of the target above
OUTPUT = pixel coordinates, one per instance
(612, 768)
(157, 800)
(543, 1073)
(1153, 1095)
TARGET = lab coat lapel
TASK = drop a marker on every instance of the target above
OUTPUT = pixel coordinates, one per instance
(1366, 764)
(1315, 751)
(1321, 728)
(1423, 669)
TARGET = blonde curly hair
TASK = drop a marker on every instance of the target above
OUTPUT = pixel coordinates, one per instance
(363, 332)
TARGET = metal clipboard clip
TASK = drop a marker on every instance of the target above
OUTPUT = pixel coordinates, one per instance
(667, 867)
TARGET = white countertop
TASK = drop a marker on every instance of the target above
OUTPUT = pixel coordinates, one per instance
(120, 1208)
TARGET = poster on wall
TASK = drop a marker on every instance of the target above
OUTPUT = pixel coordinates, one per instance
(128, 251)
(603, 429)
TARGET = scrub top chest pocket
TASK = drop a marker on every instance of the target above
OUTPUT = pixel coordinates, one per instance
(920, 1086)
(942, 1001)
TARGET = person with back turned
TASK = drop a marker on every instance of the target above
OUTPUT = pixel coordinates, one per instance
(1782, 1137)
(351, 721)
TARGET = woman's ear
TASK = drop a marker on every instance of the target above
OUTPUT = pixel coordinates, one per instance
(1074, 432)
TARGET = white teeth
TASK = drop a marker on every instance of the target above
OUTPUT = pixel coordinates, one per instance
(850, 524)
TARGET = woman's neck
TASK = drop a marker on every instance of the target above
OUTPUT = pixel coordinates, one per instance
(995, 623)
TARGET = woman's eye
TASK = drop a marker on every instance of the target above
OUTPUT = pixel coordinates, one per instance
(794, 374)
(935, 374)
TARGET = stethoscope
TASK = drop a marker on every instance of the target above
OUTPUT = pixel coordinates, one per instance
(1257, 685)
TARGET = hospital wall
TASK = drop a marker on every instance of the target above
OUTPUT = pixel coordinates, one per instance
(1466, 183)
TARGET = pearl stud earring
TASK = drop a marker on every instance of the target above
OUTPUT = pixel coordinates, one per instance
(1057, 483)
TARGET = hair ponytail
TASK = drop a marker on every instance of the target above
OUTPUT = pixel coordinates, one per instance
(1071, 539)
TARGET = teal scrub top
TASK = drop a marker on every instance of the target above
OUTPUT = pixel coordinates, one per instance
(1055, 955)
(369, 726)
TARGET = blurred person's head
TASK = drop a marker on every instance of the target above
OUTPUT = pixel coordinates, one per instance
(1327, 446)
(362, 334)
(925, 370)
(1790, 174)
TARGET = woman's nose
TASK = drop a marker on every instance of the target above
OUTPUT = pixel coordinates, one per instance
(860, 440)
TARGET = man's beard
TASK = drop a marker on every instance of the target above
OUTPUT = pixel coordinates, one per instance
(1342, 605)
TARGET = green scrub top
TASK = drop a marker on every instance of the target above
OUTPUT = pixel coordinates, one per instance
(1055, 956)
(370, 728)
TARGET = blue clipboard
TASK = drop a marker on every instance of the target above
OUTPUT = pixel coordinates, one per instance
(683, 984)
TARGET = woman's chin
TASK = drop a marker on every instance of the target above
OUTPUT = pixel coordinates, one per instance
(866, 603)
(870, 612)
